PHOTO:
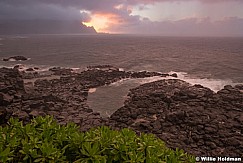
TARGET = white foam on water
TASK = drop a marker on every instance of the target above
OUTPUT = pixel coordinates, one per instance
(107, 99)
(121, 69)
(92, 90)
(152, 79)
(75, 69)
(213, 84)
(3, 66)
(43, 69)
(18, 37)
(12, 60)
(119, 82)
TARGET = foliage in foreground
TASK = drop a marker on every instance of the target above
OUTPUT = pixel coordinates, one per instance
(43, 140)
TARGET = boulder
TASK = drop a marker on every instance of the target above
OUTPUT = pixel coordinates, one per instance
(19, 66)
(29, 69)
(239, 86)
(174, 75)
(15, 58)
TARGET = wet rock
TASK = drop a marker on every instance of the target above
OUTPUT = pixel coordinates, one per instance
(102, 67)
(204, 120)
(18, 66)
(164, 75)
(15, 58)
(193, 118)
(144, 74)
(239, 86)
(36, 68)
(29, 69)
(64, 98)
(61, 71)
(174, 75)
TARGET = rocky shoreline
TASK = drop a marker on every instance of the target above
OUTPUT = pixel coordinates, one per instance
(64, 96)
(192, 118)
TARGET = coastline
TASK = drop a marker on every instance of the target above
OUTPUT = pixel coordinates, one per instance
(172, 109)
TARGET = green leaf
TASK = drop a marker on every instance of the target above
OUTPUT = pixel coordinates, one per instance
(6, 152)
(43, 140)
(39, 160)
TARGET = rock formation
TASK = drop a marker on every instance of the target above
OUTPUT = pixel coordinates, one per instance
(192, 118)
(15, 58)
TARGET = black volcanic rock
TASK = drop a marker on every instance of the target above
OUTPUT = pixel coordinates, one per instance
(144, 74)
(4, 115)
(174, 75)
(16, 58)
(186, 116)
(192, 118)
(5, 99)
(11, 81)
(30, 69)
(61, 71)
(11, 88)
(65, 97)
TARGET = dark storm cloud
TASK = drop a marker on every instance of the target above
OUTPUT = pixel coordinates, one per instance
(69, 9)
(121, 19)
(34, 9)
(79, 4)
(230, 26)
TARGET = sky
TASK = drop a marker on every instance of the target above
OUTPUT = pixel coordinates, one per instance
(152, 17)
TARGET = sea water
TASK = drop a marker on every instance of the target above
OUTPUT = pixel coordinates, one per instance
(212, 62)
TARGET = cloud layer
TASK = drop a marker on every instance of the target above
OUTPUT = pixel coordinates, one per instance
(119, 16)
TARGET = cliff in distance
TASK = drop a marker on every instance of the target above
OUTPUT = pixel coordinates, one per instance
(10, 27)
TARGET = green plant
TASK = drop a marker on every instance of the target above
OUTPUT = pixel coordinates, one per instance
(44, 140)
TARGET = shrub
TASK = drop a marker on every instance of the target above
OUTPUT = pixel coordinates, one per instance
(44, 140)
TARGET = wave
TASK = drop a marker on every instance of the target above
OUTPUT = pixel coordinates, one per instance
(120, 82)
(213, 84)
(14, 60)
(18, 37)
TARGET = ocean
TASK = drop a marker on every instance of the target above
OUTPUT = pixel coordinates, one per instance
(212, 62)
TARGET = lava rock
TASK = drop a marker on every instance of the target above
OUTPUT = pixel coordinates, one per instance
(29, 69)
(204, 120)
(174, 75)
(15, 58)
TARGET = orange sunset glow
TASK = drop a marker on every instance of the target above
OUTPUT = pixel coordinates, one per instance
(99, 21)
